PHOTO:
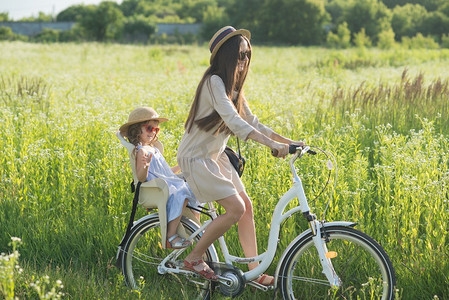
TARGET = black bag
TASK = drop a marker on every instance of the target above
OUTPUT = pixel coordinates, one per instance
(237, 160)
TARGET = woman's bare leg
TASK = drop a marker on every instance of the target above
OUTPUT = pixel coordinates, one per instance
(247, 231)
(247, 236)
(235, 208)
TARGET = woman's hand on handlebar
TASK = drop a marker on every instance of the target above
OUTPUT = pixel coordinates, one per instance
(291, 148)
(279, 149)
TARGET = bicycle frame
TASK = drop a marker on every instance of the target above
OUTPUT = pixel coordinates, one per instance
(265, 259)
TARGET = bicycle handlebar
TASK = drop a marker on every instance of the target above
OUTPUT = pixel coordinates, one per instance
(293, 148)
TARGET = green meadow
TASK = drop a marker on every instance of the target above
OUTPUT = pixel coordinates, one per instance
(65, 178)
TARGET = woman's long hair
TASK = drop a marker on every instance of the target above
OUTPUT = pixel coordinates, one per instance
(224, 65)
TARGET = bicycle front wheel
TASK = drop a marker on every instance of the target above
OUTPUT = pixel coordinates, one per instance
(363, 267)
(143, 253)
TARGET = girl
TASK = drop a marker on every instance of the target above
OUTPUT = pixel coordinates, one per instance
(220, 109)
(141, 130)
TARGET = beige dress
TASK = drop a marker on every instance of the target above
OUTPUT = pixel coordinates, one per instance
(201, 156)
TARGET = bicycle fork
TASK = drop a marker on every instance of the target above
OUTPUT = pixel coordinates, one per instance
(324, 254)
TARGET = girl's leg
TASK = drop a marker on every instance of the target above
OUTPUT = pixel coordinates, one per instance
(235, 208)
(172, 226)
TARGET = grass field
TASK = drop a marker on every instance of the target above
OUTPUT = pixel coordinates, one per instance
(65, 177)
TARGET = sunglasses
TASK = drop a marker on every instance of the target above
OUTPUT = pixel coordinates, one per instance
(150, 129)
(244, 54)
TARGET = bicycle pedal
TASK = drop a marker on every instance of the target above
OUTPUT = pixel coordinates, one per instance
(176, 264)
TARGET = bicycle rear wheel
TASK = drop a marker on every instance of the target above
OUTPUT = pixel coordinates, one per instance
(363, 266)
(142, 255)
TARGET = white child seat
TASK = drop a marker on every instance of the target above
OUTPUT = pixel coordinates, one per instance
(154, 193)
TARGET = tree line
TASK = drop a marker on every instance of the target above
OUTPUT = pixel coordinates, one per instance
(336, 23)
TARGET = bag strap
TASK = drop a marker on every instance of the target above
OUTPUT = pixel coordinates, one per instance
(136, 191)
(238, 146)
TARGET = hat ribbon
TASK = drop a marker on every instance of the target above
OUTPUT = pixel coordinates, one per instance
(220, 37)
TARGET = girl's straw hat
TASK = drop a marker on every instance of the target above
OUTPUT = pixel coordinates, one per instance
(222, 36)
(140, 114)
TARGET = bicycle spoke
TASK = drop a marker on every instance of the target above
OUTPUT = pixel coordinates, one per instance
(137, 256)
(311, 280)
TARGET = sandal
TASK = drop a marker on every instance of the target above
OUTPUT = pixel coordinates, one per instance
(262, 280)
(206, 272)
(182, 243)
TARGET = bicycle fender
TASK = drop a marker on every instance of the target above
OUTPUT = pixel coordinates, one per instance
(304, 233)
(154, 215)
(189, 222)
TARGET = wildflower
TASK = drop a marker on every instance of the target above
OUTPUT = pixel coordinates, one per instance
(16, 239)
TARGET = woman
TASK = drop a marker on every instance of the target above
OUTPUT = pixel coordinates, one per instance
(219, 109)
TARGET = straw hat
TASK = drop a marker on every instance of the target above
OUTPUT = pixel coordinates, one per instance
(140, 114)
(222, 36)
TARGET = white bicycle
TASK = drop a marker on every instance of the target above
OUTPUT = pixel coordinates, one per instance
(328, 260)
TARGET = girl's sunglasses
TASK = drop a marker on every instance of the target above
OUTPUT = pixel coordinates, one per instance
(243, 55)
(150, 129)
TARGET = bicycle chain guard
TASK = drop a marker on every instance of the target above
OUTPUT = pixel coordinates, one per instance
(234, 277)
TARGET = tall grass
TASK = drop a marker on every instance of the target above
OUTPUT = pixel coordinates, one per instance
(65, 177)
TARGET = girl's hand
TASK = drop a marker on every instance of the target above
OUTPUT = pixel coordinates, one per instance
(143, 160)
(146, 159)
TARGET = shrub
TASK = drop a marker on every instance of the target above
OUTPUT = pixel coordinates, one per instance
(176, 38)
(361, 40)
(420, 42)
(340, 40)
(47, 35)
(445, 41)
(386, 39)
(6, 33)
(213, 17)
(138, 28)
(73, 35)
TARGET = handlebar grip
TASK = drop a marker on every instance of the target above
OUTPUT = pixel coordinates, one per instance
(292, 150)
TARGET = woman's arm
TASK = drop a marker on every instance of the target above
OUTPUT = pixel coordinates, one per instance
(281, 139)
(280, 148)
(143, 159)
